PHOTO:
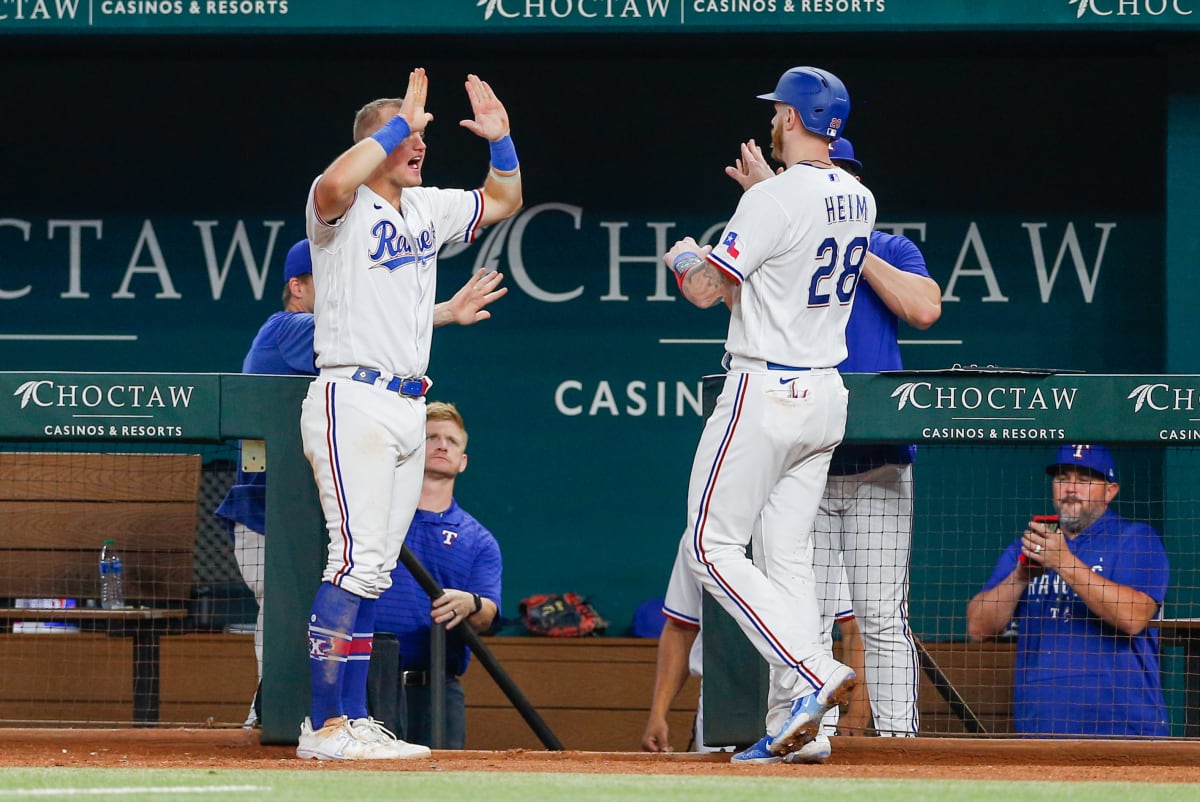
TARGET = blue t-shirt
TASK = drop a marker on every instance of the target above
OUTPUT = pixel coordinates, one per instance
(1076, 675)
(282, 347)
(460, 554)
(871, 345)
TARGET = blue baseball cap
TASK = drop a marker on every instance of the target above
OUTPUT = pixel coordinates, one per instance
(648, 619)
(840, 150)
(298, 261)
(1097, 459)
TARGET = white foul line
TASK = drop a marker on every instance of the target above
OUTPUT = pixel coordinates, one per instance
(176, 789)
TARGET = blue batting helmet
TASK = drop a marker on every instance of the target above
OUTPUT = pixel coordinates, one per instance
(819, 97)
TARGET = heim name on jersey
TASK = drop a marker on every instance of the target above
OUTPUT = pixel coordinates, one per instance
(850, 207)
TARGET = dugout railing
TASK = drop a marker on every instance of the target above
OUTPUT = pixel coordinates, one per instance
(984, 438)
(146, 412)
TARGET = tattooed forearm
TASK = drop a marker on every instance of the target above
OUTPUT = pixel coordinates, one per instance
(706, 286)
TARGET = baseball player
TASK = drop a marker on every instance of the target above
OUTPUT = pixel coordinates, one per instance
(1084, 594)
(864, 524)
(863, 529)
(786, 265)
(283, 346)
(375, 234)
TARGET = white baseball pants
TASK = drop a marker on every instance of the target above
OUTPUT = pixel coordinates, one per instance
(865, 525)
(367, 449)
(762, 460)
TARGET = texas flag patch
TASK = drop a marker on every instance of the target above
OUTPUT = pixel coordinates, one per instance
(730, 244)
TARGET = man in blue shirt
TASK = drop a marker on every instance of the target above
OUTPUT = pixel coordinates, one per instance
(282, 347)
(863, 531)
(1083, 594)
(464, 558)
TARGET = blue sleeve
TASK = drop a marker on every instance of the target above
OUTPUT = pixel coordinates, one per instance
(295, 340)
(1004, 566)
(487, 569)
(1142, 563)
(900, 252)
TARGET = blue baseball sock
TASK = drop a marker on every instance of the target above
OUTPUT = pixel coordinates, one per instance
(330, 631)
(354, 688)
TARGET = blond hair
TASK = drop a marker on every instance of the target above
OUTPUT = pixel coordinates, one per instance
(445, 411)
(371, 116)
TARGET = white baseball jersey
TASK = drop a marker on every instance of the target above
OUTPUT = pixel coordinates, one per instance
(376, 265)
(796, 244)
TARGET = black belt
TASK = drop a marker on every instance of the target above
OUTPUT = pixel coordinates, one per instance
(419, 679)
(413, 387)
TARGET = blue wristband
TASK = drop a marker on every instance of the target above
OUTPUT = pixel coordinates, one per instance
(391, 135)
(685, 262)
(504, 154)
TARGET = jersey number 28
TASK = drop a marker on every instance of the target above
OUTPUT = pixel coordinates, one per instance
(851, 264)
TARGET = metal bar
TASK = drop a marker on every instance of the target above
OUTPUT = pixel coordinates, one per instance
(485, 657)
(437, 684)
(958, 705)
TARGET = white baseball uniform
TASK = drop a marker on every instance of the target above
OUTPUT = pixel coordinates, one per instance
(795, 246)
(863, 537)
(363, 420)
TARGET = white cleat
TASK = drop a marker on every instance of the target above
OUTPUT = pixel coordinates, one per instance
(343, 740)
(817, 750)
(368, 729)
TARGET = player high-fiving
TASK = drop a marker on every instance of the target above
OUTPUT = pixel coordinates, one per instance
(375, 234)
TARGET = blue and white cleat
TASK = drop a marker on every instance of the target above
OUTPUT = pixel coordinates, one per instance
(804, 723)
(756, 754)
(817, 750)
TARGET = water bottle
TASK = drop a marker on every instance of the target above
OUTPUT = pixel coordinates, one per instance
(112, 578)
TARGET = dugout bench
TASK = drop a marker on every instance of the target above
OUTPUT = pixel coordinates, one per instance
(56, 510)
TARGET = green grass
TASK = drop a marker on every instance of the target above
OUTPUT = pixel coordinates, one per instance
(209, 785)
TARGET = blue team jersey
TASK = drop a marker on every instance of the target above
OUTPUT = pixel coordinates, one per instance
(871, 345)
(461, 554)
(282, 347)
(1076, 675)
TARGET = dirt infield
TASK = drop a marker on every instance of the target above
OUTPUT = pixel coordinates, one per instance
(968, 759)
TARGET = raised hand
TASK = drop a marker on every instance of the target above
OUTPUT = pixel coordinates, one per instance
(491, 119)
(413, 107)
(468, 305)
(751, 168)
